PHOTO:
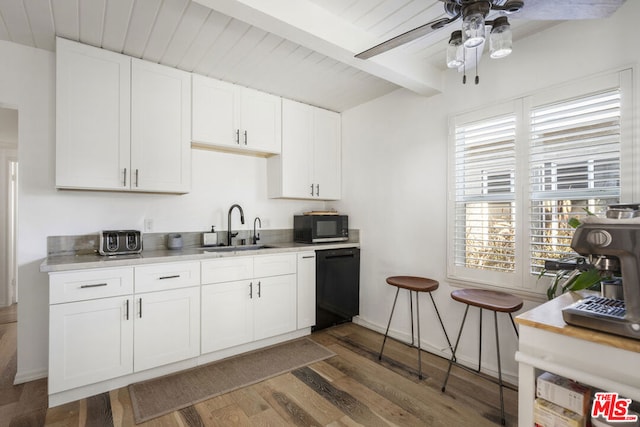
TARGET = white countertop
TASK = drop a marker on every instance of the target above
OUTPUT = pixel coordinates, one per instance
(80, 262)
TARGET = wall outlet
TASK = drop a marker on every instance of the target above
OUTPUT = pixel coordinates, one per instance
(148, 225)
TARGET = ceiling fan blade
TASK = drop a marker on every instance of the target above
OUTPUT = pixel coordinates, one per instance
(553, 10)
(406, 37)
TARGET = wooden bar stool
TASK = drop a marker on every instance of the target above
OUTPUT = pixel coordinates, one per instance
(490, 300)
(417, 285)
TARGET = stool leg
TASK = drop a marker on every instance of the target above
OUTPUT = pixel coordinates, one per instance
(441, 323)
(411, 312)
(418, 320)
(480, 343)
(453, 356)
(495, 319)
(514, 325)
(389, 324)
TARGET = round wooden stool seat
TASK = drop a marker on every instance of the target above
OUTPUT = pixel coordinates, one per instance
(490, 300)
(412, 283)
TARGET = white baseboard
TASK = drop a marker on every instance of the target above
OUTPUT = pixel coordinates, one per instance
(25, 377)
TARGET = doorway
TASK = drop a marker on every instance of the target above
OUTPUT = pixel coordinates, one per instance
(9, 210)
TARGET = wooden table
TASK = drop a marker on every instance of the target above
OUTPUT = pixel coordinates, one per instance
(597, 359)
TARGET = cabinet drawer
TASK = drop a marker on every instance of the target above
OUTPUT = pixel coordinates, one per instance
(227, 269)
(81, 285)
(274, 265)
(160, 277)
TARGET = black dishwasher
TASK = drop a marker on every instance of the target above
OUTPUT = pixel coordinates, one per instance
(337, 286)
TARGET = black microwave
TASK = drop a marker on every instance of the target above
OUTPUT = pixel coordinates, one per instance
(320, 228)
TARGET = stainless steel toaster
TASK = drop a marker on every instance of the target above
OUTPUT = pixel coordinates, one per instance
(120, 242)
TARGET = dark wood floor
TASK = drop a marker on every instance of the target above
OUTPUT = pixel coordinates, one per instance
(351, 388)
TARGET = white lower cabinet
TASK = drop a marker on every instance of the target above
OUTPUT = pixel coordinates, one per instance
(103, 336)
(116, 324)
(227, 315)
(274, 306)
(89, 342)
(306, 278)
(260, 306)
(166, 327)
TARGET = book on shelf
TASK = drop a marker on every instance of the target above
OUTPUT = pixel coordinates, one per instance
(564, 392)
(548, 414)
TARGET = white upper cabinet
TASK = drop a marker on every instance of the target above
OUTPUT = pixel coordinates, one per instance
(160, 125)
(231, 117)
(121, 123)
(93, 106)
(309, 166)
(260, 121)
(213, 112)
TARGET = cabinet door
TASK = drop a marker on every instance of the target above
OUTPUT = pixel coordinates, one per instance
(167, 327)
(297, 150)
(306, 287)
(227, 315)
(326, 154)
(275, 306)
(89, 341)
(160, 128)
(92, 117)
(213, 112)
(261, 121)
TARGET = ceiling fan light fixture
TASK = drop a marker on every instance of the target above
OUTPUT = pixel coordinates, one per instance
(500, 38)
(473, 29)
(455, 50)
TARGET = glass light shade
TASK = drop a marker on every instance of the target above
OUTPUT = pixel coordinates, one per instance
(455, 50)
(500, 40)
(473, 30)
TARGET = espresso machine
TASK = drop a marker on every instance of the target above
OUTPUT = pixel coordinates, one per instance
(605, 242)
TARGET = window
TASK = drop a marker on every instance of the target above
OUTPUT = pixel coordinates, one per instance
(522, 170)
(574, 167)
(485, 187)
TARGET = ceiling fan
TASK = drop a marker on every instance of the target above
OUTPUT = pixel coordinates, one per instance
(474, 12)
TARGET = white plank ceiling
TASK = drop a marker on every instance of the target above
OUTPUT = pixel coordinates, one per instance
(299, 49)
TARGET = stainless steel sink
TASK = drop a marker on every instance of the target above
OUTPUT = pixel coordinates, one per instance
(236, 248)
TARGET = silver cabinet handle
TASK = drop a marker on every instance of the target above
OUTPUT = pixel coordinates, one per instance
(140, 308)
(245, 137)
(312, 189)
(308, 256)
(251, 290)
(94, 285)
(126, 316)
(175, 276)
(125, 178)
(136, 177)
(318, 190)
(259, 287)
(237, 136)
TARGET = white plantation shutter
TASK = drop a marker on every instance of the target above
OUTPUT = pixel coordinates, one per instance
(574, 164)
(485, 165)
(520, 170)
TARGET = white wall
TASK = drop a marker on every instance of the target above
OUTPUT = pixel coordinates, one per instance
(395, 172)
(27, 81)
